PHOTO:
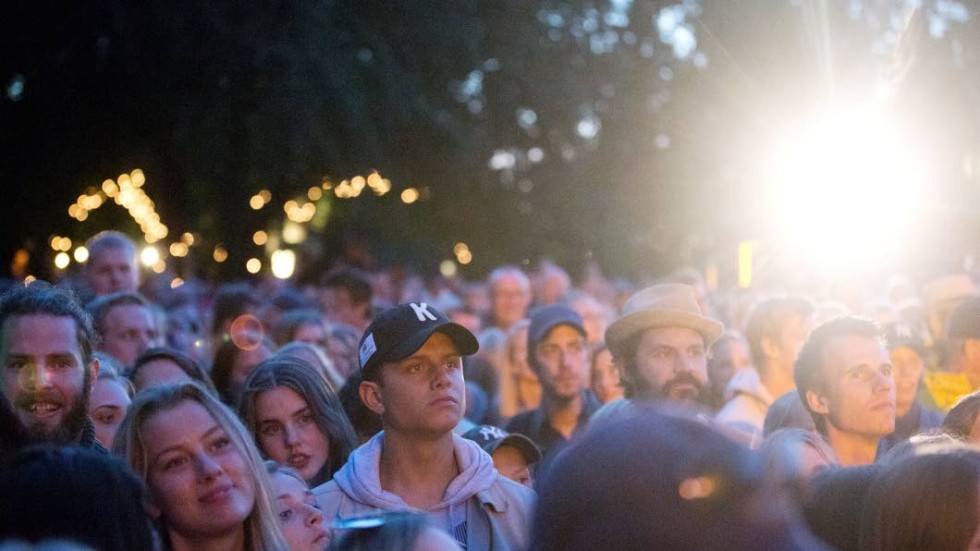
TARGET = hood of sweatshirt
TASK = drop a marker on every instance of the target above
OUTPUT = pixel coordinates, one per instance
(360, 477)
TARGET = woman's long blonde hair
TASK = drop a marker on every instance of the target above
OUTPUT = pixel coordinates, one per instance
(262, 531)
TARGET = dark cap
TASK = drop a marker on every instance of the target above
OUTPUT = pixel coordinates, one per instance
(399, 331)
(898, 335)
(964, 321)
(546, 318)
(490, 438)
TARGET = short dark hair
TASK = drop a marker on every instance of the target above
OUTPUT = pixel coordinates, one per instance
(924, 502)
(42, 298)
(231, 301)
(99, 306)
(352, 280)
(808, 368)
(81, 494)
(767, 319)
(224, 359)
(186, 364)
(285, 327)
(959, 421)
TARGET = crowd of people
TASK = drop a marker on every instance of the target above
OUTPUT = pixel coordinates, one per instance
(365, 411)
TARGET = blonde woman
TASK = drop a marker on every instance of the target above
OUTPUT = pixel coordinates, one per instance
(208, 487)
(520, 389)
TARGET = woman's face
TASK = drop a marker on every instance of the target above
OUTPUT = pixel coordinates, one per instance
(342, 355)
(199, 481)
(299, 516)
(245, 362)
(605, 378)
(287, 433)
(107, 408)
(518, 353)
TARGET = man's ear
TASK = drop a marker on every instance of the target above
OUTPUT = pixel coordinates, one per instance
(94, 367)
(626, 379)
(371, 396)
(769, 347)
(817, 403)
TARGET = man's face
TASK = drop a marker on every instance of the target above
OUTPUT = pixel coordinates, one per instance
(112, 270)
(45, 378)
(593, 319)
(858, 394)
(907, 370)
(422, 394)
(727, 358)
(562, 359)
(671, 363)
(339, 306)
(129, 330)
(792, 333)
(510, 463)
(509, 300)
(313, 333)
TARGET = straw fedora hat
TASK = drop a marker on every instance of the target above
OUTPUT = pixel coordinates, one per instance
(665, 305)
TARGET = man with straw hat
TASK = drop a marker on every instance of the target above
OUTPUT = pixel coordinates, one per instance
(660, 344)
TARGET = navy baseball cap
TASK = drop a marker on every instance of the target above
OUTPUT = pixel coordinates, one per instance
(898, 335)
(546, 318)
(490, 438)
(396, 333)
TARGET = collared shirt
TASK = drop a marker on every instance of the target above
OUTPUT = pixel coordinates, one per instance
(535, 425)
(918, 419)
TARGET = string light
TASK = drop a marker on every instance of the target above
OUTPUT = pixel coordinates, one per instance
(126, 191)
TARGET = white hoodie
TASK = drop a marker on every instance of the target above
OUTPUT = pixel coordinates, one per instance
(356, 491)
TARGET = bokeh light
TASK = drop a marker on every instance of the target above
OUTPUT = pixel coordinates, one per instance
(283, 263)
(254, 265)
(149, 255)
(447, 268)
(81, 255)
(220, 254)
(61, 261)
(410, 195)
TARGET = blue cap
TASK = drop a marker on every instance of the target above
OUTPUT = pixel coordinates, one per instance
(546, 318)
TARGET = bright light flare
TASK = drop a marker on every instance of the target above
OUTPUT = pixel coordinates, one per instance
(61, 261)
(845, 191)
(149, 256)
(283, 263)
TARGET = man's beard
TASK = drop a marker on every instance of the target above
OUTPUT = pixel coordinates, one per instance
(69, 431)
(664, 392)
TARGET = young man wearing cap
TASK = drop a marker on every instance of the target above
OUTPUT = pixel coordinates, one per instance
(411, 362)
(513, 454)
(558, 353)
(844, 378)
(907, 353)
(660, 344)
